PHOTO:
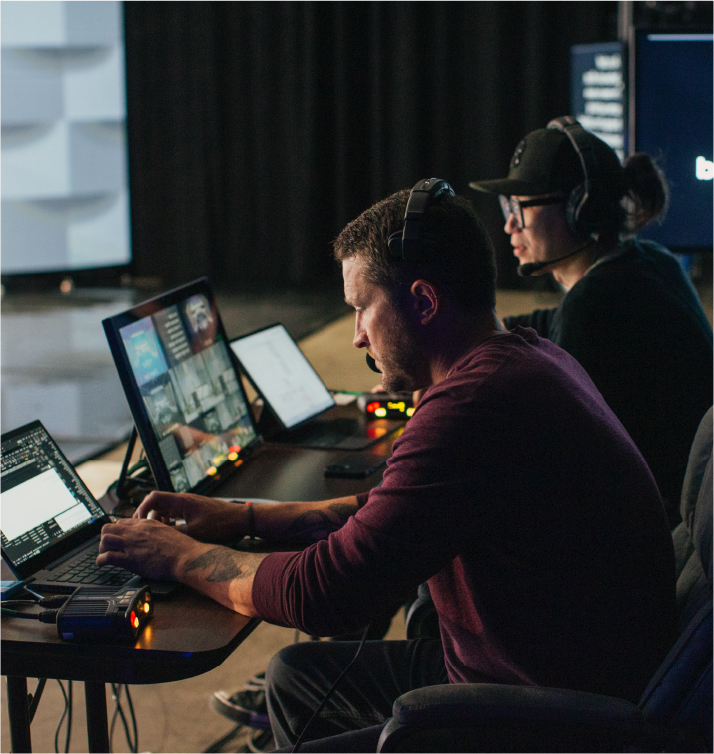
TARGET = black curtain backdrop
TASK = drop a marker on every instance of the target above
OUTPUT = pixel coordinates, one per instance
(257, 130)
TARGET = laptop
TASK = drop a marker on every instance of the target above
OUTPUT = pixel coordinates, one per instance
(50, 521)
(297, 400)
(184, 389)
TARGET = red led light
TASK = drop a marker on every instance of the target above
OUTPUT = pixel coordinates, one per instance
(372, 407)
(132, 617)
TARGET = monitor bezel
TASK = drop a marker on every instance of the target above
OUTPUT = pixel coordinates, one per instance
(113, 325)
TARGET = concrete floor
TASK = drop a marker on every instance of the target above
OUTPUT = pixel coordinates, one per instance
(175, 717)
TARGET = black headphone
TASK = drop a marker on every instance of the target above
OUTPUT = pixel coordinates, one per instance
(405, 243)
(582, 212)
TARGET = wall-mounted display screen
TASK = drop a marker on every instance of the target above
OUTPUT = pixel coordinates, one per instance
(65, 198)
(672, 121)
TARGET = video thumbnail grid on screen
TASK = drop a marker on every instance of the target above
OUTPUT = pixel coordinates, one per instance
(190, 389)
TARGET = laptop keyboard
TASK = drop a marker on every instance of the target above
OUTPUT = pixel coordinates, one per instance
(84, 570)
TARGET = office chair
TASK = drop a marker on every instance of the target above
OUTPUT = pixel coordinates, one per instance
(673, 714)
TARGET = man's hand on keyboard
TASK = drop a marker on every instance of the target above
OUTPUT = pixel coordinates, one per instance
(207, 519)
(143, 546)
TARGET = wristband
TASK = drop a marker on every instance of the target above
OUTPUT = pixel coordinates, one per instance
(251, 520)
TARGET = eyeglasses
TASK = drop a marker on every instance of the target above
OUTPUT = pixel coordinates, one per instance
(512, 206)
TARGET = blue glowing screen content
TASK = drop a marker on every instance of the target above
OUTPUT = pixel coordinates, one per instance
(673, 123)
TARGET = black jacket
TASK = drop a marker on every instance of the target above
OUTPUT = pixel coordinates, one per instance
(636, 324)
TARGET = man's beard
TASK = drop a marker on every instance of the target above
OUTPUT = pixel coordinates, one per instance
(401, 358)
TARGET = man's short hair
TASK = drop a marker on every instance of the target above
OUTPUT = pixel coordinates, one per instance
(455, 252)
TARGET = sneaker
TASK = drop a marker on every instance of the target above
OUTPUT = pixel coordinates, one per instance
(247, 706)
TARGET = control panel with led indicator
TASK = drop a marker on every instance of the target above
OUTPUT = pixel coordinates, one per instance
(386, 405)
(96, 614)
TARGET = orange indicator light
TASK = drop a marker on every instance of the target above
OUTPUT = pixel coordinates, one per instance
(232, 456)
(238, 462)
(136, 623)
(146, 607)
(212, 471)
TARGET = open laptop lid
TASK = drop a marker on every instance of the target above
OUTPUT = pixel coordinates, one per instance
(46, 508)
(282, 375)
(183, 387)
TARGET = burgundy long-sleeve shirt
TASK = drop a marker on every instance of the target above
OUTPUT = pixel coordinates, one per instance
(518, 494)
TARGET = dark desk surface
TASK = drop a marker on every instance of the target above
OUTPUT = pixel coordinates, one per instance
(188, 634)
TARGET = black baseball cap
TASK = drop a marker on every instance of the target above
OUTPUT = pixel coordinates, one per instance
(546, 162)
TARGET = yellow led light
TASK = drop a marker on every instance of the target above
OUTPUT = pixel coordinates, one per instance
(380, 412)
(232, 456)
(410, 410)
(136, 623)
(146, 607)
(212, 471)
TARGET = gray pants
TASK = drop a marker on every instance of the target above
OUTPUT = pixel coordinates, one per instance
(299, 676)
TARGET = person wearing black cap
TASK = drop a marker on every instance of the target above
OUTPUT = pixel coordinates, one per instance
(630, 316)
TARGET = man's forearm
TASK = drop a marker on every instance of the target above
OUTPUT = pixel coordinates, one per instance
(223, 574)
(227, 575)
(303, 523)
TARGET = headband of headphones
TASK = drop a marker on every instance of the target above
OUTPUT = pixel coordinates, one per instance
(404, 243)
(583, 146)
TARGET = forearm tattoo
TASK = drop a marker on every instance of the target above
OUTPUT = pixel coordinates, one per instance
(226, 565)
(316, 525)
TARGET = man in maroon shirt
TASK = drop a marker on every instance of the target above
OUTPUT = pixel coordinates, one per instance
(514, 490)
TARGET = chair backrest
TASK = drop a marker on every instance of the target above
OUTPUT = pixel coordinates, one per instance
(680, 693)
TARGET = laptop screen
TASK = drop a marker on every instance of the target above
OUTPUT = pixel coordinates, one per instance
(282, 374)
(42, 498)
(185, 394)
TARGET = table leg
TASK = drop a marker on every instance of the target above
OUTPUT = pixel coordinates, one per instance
(19, 714)
(95, 697)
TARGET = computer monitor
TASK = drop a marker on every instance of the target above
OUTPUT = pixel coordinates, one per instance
(671, 119)
(182, 384)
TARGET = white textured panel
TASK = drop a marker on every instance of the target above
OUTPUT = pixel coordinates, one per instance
(35, 162)
(94, 84)
(31, 86)
(32, 24)
(102, 238)
(91, 23)
(97, 157)
(32, 239)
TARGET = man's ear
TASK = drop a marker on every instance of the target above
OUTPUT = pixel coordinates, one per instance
(426, 301)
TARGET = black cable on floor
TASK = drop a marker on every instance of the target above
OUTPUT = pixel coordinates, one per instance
(119, 712)
(66, 713)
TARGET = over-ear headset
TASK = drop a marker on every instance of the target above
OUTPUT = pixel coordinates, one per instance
(405, 243)
(583, 215)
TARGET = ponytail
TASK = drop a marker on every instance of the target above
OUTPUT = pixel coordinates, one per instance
(647, 193)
